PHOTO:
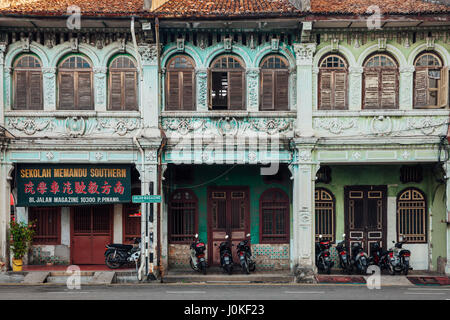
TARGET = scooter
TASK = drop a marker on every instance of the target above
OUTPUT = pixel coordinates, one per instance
(117, 255)
(344, 258)
(359, 258)
(245, 256)
(323, 257)
(226, 257)
(197, 258)
(378, 256)
(399, 258)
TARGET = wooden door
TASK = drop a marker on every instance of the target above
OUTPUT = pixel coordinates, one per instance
(228, 214)
(91, 231)
(366, 215)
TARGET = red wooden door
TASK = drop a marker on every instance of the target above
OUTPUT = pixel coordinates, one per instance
(91, 231)
(228, 214)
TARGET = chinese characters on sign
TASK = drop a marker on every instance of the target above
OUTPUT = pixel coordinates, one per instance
(43, 185)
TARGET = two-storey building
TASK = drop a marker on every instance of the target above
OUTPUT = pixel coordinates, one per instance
(282, 120)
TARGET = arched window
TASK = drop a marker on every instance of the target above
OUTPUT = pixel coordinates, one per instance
(180, 84)
(380, 83)
(182, 216)
(412, 216)
(227, 83)
(27, 83)
(325, 214)
(75, 84)
(274, 216)
(333, 83)
(274, 83)
(430, 82)
(123, 84)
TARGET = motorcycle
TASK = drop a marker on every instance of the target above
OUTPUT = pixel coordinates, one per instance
(323, 257)
(359, 258)
(117, 255)
(378, 256)
(344, 259)
(197, 258)
(398, 258)
(245, 256)
(226, 257)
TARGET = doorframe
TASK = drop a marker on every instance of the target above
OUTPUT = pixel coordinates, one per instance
(366, 188)
(247, 219)
(111, 225)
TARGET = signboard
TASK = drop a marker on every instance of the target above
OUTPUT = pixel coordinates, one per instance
(147, 199)
(72, 184)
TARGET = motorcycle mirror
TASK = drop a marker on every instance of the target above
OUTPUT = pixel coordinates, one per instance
(226, 237)
(400, 238)
(320, 236)
(343, 235)
(196, 235)
(248, 234)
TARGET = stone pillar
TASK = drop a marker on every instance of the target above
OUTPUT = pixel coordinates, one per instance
(2, 84)
(253, 89)
(304, 56)
(406, 88)
(49, 87)
(6, 101)
(303, 238)
(447, 204)
(355, 75)
(100, 84)
(149, 88)
(5, 204)
(202, 89)
(293, 86)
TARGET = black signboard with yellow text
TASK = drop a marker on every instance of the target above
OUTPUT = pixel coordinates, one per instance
(72, 184)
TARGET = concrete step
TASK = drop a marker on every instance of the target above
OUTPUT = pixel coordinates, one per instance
(236, 277)
(36, 277)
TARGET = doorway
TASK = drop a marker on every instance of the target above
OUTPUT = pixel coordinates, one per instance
(228, 214)
(91, 231)
(366, 215)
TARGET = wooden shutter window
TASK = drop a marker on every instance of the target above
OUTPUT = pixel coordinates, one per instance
(27, 84)
(180, 84)
(380, 83)
(227, 83)
(123, 84)
(333, 84)
(430, 82)
(75, 84)
(274, 84)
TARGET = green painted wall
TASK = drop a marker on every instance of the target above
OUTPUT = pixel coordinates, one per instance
(239, 175)
(390, 175)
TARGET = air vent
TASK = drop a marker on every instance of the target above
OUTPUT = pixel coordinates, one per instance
(324, 175)
(411, 174)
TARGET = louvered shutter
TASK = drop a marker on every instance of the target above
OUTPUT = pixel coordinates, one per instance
(235, 90)
(84, 91)
(267, 90)
(326, 91)
(188, 90)
(20, 90)
(130, 88)
(388, 89)
(340, 91)
(371, 93)
(66, 91)
(443, 88)
(282, 91)
(421, 88)
(115, 91)
(173, 91)
(35, 90)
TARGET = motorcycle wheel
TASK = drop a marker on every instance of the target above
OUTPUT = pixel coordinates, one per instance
(228, 268)
(391, 269)
(349, 269)
(245, 268)
(109, 261)
(203, 267)
(192, 265)
(252, 267)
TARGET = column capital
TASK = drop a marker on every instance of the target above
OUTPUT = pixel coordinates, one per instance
(407, 69)
(304, 53)
(356, 70)
(149, 54)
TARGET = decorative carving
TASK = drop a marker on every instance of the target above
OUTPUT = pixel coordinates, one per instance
(334, 45)
(228, 126)
(49, 39)
(151, 156)
(227, 44)
(304, 53)
(182, 125)
(334, 125)
(120, 126)
(100, 84)
(382, 44)
(252, 84)
(75, 126)
(271, 126)
(50, 155)
(427, 125)
(305, 155)
(356, 155)
(202, 82)
(30, 126)
(275, 44)
(381, 125)
(304, 217)
(98, 156)
(149, 54)
(180, 44)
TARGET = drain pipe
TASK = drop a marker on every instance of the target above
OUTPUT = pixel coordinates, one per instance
(144, 241)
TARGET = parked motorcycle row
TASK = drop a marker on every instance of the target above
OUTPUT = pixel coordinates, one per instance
(395, 259)
(246, 262)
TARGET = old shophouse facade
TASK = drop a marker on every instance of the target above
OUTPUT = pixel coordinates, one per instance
(280, 122)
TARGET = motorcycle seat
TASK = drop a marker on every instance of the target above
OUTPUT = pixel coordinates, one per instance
(120, 246)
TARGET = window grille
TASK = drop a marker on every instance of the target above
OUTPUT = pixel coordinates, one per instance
(48, 225)
(274, 215)
(324, 214)
(182, 216)
(412, 216)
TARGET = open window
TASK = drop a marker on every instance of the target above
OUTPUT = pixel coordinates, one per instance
(227, 83)
(430, 82)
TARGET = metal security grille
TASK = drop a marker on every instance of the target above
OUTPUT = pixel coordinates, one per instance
(182, 216)
(131, 222)
(325, 214)
(411, 216)
(274, 206)
(94, 221)
(47, 221)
